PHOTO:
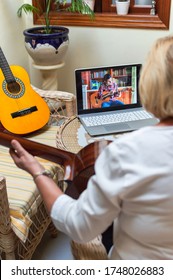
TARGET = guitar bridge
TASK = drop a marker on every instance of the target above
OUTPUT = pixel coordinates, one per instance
(24, 112)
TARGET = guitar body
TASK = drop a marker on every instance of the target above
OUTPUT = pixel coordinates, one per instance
(22, 110)
(96, 102)
(84, 167)
(123, 95)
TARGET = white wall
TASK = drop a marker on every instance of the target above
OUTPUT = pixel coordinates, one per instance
(11, 36)
(88, 46)
(104, 46)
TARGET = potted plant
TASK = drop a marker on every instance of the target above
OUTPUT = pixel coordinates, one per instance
(122, 6)
(47, 44)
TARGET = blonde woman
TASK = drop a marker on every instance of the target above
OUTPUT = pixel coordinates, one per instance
(133, 181)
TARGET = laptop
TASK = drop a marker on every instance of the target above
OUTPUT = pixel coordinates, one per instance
(106, 114)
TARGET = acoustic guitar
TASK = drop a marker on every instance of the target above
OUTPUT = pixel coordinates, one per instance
(97, 102)
(78, 168)
(22, 110)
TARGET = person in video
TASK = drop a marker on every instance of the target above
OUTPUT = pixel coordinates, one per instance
(109, 91)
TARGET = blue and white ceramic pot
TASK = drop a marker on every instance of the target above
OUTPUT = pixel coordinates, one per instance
(47, 49)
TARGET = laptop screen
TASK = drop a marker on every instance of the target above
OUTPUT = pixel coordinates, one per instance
(107, 88)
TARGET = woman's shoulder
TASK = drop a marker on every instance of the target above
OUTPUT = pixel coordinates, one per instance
(136, 134)
(149, 137)
(136, 140)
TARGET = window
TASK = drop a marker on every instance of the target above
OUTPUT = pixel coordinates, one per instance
(105, 16)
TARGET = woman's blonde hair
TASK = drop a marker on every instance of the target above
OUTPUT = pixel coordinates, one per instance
(156, 79)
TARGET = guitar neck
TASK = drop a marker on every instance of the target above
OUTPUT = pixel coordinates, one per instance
(55, 155)
(6, 68)
(107, 95)
(111, 93)
(78, 168)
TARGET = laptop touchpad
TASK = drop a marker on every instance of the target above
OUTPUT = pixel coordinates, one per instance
(117, 127)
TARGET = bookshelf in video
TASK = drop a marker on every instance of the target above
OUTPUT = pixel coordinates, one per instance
(92, 80)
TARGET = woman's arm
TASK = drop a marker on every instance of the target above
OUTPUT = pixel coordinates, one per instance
(47, 187)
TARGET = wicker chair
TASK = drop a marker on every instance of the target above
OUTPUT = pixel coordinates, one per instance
(62, 106)
(10, 245)
(93, 250)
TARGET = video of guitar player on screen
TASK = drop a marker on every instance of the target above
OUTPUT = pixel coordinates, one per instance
(109, 88)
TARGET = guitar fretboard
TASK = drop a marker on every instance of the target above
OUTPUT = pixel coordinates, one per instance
(6, 68)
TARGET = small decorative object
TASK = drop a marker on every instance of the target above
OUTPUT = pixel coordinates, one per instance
(153, 8)
(90, 4)
(122, 6)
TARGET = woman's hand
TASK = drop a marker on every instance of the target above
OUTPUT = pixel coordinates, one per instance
(23, 159)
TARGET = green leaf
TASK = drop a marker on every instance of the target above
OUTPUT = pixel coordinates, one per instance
(27, 8)
(80, 7)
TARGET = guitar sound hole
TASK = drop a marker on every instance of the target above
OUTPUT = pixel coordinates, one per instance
(13, 87)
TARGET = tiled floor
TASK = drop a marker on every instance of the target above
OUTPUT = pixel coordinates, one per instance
(54, 248)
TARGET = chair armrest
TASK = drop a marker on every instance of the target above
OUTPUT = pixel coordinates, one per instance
(23, 216)
(62, 104)
(5, 224)
(7, 237)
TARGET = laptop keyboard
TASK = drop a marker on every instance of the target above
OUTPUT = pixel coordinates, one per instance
(116, 118)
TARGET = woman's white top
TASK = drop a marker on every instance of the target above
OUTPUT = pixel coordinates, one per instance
(132, 185)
